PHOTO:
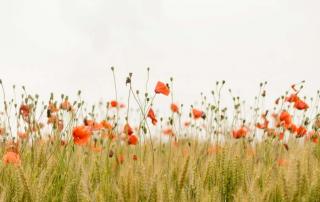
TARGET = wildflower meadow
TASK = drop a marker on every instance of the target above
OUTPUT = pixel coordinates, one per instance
(63, 149)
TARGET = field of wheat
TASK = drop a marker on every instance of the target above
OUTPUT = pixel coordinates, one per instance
(61, 150)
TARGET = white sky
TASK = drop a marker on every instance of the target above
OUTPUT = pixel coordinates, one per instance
(63, 46)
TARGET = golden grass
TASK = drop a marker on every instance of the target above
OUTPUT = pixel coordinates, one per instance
(236, 172)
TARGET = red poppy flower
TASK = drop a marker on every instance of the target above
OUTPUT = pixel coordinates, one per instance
(301, 131)
(301, 105)
(24, 110)
(127, 129)
(162, 88)
(242, 132)
(110, 135)
(106, 125)
(114, 103)
(133, 140)
(152, 116)
(285, 117)
(265, 123)
(292, 98)
(65, 105)
(168, 131)
(313, 136)
(81, 135)
(2, 131)
(96, 126)
(292, 127)
(11, 158)
(174, 108)
(315, 140)
(281, 136)
(197, 113)
(282, 162)
(22, 135)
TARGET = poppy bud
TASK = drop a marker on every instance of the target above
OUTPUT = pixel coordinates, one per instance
(135, 157)
(111, 154)
(128, 80)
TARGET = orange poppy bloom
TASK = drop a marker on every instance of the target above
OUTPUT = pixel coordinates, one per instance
(292, 98)
(2, 131)
(52, 107)
(285, 117)
(122, 105)
(24, 110)
(93, 125)
(22, 135)
(168, 131)
(114, 103)
(186, 123)
(301, 105)
(120, 159)
(175, 143)
(110, 135)
(242, 132)
(65, 105)
(162, 88)
(281, 136)
(127, 129)
(313, 136)
(282, 162)
(133, 140)
(106, 125)
(174, 108)
(11, 157)
(293, 128)
(96, 126)
(152, 116)
(81, 135)
(265, 123)
(197, 113)
(301, 131)
(315, 140)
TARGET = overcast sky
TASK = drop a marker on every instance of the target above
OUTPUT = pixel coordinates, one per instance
(63, 46)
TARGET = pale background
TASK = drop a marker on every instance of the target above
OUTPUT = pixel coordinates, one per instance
(61, 46)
